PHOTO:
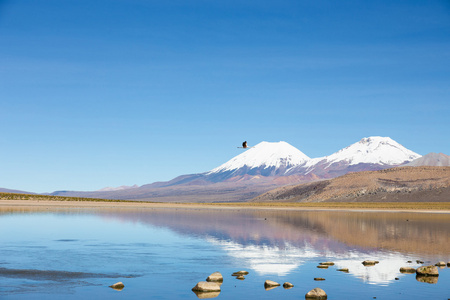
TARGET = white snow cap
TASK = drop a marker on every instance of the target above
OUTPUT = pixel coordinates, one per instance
(373, 150)
(265, 154)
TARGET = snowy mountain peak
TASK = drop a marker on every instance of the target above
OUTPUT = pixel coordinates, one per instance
(373, 150)
(279, 159)
(265, 155)
(377, 140)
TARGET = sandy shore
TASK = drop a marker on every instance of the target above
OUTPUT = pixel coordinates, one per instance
(381, 207)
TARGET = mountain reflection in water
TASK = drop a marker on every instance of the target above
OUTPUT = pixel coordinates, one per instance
(419, 234)
(279, 242)
(275, 242)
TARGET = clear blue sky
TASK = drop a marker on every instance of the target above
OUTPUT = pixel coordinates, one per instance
(121, 92)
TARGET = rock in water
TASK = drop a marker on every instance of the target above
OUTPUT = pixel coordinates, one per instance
(288, 285)
(205, 286)
(407, 270)
(427, 271)
(270, 283)
(343, 270)
(370, 262)
(327, 263)
(216, 276)
(440, 264)
(316, 293)
(117, 286)
(239, 273)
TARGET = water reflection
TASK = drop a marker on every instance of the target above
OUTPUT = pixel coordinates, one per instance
(383, 273)
(338, 232)
(281, 242)
(403, 232)
(266, 259)
(427, 279)
(206, 295)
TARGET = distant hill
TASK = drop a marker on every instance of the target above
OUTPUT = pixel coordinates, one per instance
(3, 190)
(235, 190)
(402, 184)
(431, 159)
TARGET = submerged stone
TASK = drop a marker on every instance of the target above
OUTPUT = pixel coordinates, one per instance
(270, 283)
(343, 270)
(239, 273)
(370, 262)
(118, 286)
(316, 293)
(407, 270)
(205, 286)
(216, 276)
(428, 271)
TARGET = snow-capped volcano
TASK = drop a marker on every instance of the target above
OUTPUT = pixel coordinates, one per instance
(371, 153)
(373, 150)
(278, 159)
(265, 159)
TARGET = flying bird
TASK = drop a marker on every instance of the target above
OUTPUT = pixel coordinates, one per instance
(244, 146)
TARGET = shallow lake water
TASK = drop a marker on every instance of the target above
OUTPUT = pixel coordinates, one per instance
(74, 253)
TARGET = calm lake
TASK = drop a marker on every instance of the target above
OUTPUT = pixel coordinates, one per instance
(74, 253)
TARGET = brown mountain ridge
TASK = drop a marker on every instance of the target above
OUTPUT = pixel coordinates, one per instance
(401, 184)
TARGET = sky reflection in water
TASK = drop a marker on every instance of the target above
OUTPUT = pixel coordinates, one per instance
(163, 253)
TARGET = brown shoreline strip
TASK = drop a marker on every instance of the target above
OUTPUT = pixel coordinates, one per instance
(427, 207)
